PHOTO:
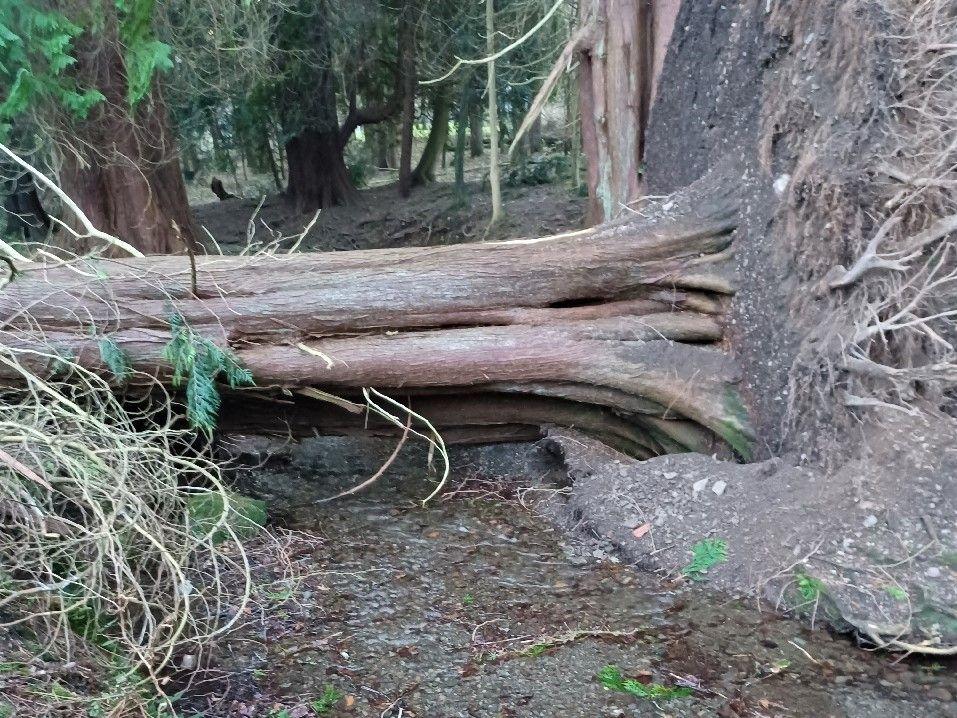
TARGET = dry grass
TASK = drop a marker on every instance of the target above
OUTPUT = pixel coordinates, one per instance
(100, 558)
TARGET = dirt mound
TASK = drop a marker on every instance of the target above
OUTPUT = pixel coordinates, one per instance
(868, 548)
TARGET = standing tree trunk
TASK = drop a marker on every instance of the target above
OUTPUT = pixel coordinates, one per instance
(476, 146)
(315, 154)
(318, 176)
(131, 185)
(615, 76)
(424, 171)
(407, 64)
(493, 172)
(461, 120)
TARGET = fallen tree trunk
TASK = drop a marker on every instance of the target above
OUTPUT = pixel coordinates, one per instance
(614, 329)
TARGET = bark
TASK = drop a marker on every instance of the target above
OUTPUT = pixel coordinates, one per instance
(131, 185)
(476, 146)
(318, 176)
(493, 171)
(424, 171)
(22, 212)
(407, 63)
(615, 76)
(461, 120)
(612, 329)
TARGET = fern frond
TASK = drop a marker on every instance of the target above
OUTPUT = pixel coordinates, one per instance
(115, 358)
(200, 361)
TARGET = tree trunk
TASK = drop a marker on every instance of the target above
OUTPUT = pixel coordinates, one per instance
(611, 329)
(424, 171)
(476, 146)
(318, 176)
(493, 171)
(407, 62)
(130, 185)
(615, 75)
(461, 120)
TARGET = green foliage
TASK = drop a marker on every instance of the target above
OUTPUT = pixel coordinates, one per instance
(536, 650)
(200, 362)
(143, 55)
(896, 592)
(809, 587)
(244, 515)
(327, 701)
(468, 600)
(705, 554)
(546, 170)
(611, 678)
(116, 359)
(36, 49)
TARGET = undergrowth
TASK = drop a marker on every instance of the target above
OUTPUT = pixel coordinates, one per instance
(612, 679)
(705, 554)
(115, 534)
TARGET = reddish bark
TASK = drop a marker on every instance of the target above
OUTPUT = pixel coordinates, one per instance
(131, 184)
(604, 328)
(621, 59)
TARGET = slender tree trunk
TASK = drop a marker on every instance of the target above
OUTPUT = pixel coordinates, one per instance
(424, 171)
(573, 123)
(493, 174)
(461, 120)
(131, 186)
(407, 60)
(535, 136)
(476, 144)
(271, 160)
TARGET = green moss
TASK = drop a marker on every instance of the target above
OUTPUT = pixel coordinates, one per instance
(245, 516)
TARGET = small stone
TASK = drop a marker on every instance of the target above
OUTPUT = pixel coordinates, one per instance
(670, 475)
(870, 521)
(719, 487)
(781, 184)
(940, 694)
(932, 572)
(698, 486)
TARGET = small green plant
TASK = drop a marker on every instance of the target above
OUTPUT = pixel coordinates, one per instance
(468, 600)
(705, 554)
(535, 651)
(116, 359)
(199, 362)
(896, 592)
(327, 701)
(611, 678)
(809, 587)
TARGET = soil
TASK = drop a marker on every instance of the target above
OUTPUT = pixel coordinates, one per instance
(478, 605)
(433, 215)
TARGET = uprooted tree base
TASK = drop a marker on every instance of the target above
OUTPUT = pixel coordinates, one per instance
(615, 330)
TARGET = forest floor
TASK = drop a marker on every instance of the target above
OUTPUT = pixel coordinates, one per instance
(480, 606)
(434, 214)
